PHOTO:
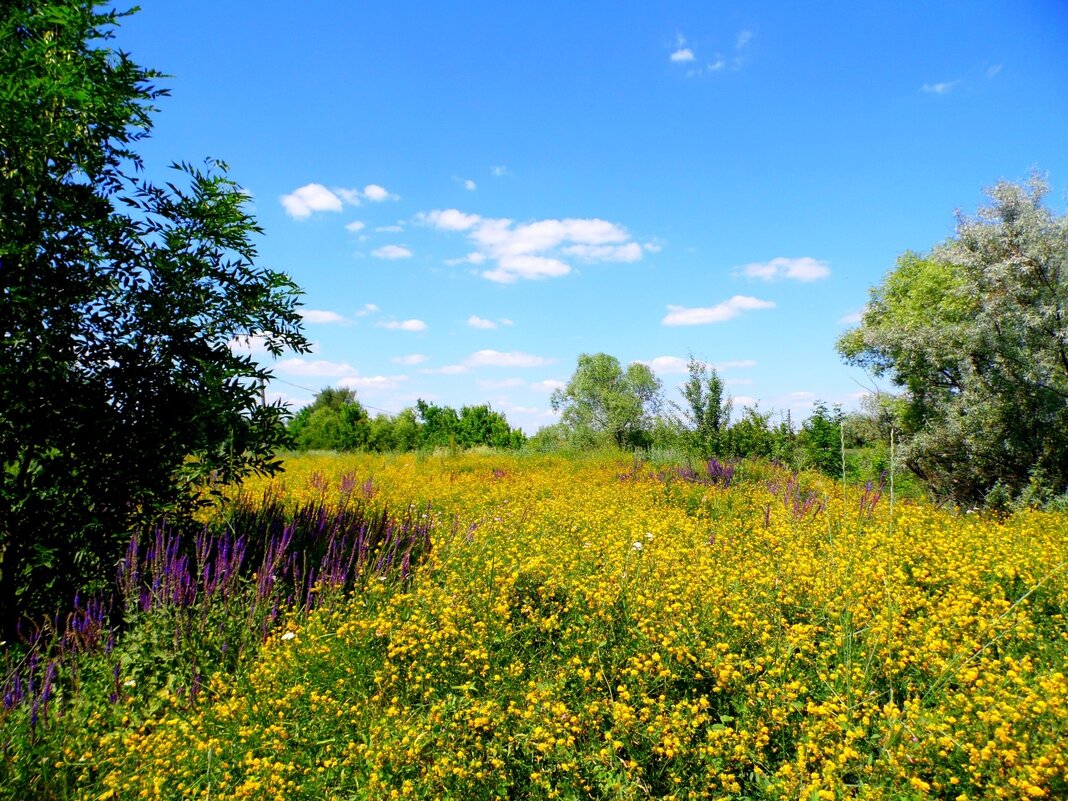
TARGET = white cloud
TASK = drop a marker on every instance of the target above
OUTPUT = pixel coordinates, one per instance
(511, 268)
(373, 382)
(499, 171)
(493, 358)
(300, 203)
(730, 365)
(479, 322)
(742, 401)
(376, 193)
(682, 54)
(631, 251)
(721, 312)
(448, 369)
(532, 250)
(367, 308)
(355, 226)
(548, 385)
(802, 269)
(310, 198)
(403, 325)
(506, 321)
(744, 37)
(504, 383)
(940, 88)
(255, 345)
(668, 364)
(449, 219)
(411, 358)
(802, 395)
(852, 318)
(470, 185)
(391, 252)
(653, 247)
(320, 316)
(319, 367)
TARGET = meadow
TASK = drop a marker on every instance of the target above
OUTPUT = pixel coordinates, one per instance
(482, 626)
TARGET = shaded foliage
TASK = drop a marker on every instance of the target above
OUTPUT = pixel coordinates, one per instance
(120, 393)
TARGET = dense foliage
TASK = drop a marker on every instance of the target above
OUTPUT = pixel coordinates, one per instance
(604, 404)
(588, 628)
(337, 421)
(976, 335)
(119, 298)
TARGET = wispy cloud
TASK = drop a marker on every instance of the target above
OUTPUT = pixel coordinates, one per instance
(499, 171)
(852, 318)
(470, 185)
(667, 365)
(448, 369)
(372, 383)
(688, 56)
(410, 359)
(535, 249)
(721, 312)
(321, 316)
(355, 226)
(945, 87)
(993, 70)
(548, 385)
(494, 358)
(318, 367)
(403, 325)
(367, 308)
(802, 269)
(480, 322)
(674, 365)
(391, 252)
(504, 383)
(732, 365)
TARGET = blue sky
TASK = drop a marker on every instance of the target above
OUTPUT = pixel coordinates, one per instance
(471, 195)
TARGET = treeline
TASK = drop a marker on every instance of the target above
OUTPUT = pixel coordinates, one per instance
(337, 421)
(605, 405)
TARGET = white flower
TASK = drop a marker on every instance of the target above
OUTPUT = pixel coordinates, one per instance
(289, 635)
(637, 546)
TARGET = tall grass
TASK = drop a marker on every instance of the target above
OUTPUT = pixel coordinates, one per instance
(587, 629)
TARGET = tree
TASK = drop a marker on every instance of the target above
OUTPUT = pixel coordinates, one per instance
(438, 425)
(334, 421)
(708, 410)
(603, 401)
(120, 393)
(480, 425)
(820, 440)
(976, 334)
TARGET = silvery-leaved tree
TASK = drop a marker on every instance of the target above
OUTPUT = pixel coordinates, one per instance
(976, 334)
(120, 393)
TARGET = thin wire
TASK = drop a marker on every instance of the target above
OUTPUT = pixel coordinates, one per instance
(309, 389)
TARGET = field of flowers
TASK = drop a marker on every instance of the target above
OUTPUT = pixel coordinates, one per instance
(606, 629)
